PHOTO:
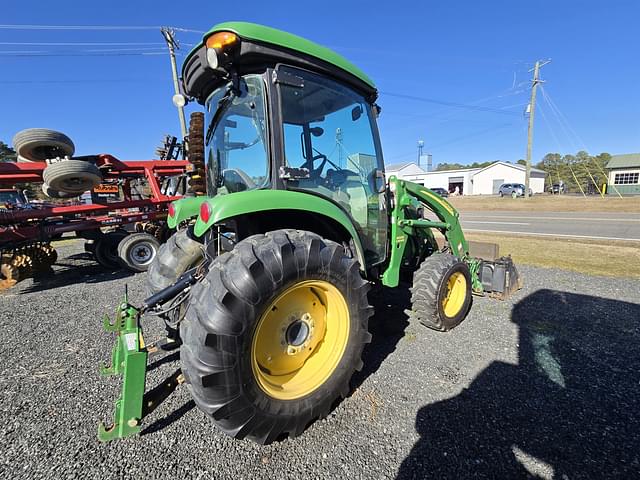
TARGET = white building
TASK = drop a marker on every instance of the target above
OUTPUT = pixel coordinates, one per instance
(470, 181)
(488, 180)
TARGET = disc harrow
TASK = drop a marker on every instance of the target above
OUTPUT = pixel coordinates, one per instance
(23, 261)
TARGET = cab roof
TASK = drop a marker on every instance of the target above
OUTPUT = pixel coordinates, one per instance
(279, 39)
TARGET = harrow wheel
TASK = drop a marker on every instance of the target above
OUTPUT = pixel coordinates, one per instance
(43, 256)
(196, 152)
(8, 276)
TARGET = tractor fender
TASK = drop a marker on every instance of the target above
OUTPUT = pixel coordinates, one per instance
(223, 207)
(184, 209)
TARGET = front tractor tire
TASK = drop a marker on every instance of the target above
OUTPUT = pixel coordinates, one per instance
(441, 292)
(274, 333)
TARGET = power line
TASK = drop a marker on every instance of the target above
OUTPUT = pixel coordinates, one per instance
(78, 54)
(88, 80)
(82, 44)
(451, 104)
(564, 123)
(453, 140)
(93, 27)
(501, 94)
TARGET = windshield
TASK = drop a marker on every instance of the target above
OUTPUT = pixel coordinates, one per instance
(236, 138)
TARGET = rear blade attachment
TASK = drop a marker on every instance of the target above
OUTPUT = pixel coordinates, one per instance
(500, 278)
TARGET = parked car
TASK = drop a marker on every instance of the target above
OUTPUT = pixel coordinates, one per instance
(513, 190)
(443, 192)
(557, 188)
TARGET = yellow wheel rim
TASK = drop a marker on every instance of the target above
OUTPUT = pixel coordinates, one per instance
(300, 339)
(456, 294)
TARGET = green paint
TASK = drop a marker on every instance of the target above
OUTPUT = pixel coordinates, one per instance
(185, 208)
(446, 213)
(406, 194)
(474, 269)
(224, 207)
(129, 359)
(260, 33)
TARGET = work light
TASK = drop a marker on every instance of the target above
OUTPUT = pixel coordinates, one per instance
(216, 44)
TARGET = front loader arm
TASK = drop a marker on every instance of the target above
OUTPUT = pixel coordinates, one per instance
(406, 194)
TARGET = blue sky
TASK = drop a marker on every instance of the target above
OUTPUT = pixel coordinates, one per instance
(437, 53)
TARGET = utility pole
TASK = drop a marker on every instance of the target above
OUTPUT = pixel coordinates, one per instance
(339, 144)
(532, 107)
(172, 44)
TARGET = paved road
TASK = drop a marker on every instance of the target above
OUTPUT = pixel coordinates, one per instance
(542, 386)
(617, 226)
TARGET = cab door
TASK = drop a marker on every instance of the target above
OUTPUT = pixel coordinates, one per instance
(330, 130)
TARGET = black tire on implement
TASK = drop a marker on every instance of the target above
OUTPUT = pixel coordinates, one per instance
(72, 176)
(431, 287)
(40, 144)
(105, 249)
(137, 251)
(224, 315)
(177, 255)
(50, 192)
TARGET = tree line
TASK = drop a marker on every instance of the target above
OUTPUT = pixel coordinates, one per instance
(579, 171)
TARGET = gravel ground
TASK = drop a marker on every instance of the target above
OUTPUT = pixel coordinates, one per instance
(546, 385)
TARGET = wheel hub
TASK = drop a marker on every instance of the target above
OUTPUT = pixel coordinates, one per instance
(141, 254)
(297, 333)
(298, 336)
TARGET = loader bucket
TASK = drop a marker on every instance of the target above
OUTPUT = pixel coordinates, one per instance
(500, 278)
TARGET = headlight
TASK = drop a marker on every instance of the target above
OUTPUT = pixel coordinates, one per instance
(212, 58)
(216, 43)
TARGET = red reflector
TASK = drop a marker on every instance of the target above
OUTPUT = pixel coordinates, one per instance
(205, 212)
(172, 210)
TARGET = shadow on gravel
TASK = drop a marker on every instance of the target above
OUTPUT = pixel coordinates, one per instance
(386, 326)
(71, 275)
(169, 419)
(568, 410)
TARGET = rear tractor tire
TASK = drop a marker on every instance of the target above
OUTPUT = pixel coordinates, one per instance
(441, 292)
(274, 333)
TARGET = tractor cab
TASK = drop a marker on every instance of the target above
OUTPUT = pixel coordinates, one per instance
(279, 120)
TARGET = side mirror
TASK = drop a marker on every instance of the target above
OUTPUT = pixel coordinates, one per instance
(381, 181)
(356, 112)
(316, 131)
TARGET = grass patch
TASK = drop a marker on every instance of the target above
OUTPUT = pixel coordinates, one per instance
(548, 203)
(593, 257)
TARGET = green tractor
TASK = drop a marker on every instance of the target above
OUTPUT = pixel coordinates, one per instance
(264, 286)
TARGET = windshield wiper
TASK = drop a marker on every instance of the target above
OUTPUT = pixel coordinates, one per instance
(229, 95)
